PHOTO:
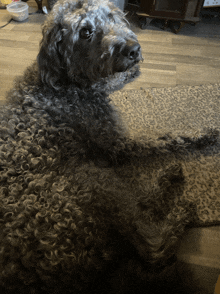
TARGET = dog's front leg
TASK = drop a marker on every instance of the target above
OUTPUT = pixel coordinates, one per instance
(159, 216)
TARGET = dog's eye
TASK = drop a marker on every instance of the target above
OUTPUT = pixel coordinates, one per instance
(85, 33)
(111, 17)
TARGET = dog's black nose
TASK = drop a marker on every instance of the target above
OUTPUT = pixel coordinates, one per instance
(131, 51)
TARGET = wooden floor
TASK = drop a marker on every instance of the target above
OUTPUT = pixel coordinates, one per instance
(190, 58)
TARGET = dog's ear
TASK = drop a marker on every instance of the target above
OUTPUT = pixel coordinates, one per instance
(49, 57)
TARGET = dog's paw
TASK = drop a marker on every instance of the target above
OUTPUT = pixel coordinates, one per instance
(171, 175)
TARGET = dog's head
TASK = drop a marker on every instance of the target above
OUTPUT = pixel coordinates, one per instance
(84, 42)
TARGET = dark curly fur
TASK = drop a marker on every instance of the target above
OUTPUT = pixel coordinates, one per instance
(74, 203)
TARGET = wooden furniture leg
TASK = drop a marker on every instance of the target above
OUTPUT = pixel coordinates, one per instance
(176, 30)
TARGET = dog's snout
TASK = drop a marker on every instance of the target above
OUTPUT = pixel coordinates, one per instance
(134, 51)
(131, 51)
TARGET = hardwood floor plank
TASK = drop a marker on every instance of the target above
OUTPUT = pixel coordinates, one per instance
(195, 247)
(164, 48)
(10, 53)
(183, 59)
(22, 36)
(6, 83)
(30, 28)
(29, 46)
(158, 66)
(210, 51)
(148, 36)
(196, 75)
(4, 18)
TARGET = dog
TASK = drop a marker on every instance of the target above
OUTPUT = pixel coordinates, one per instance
(72, 202)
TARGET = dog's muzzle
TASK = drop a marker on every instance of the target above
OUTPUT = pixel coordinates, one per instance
(128, 56)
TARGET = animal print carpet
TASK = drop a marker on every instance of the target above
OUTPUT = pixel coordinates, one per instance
(180, 110)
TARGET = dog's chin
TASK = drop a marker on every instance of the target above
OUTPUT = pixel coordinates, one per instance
(118, 79)
(125, 67)
(131, 71)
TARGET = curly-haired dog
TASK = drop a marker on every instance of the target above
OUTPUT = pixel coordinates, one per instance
(72, 203)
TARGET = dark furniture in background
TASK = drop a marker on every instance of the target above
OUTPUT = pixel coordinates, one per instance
(174, 12)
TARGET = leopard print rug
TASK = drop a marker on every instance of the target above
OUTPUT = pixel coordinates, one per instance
(180, 110)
